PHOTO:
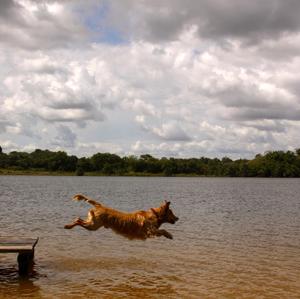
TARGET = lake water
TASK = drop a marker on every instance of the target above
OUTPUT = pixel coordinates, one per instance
(236, 238)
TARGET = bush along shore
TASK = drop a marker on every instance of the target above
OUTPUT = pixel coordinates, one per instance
(46, 162)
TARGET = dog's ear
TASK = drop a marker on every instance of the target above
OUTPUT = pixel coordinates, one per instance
(167, 204)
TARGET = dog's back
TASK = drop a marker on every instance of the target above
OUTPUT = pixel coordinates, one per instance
(130, 225)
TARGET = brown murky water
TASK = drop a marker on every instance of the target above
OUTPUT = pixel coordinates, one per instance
(236, 238)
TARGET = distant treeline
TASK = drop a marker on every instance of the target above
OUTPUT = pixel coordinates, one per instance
(269, 164)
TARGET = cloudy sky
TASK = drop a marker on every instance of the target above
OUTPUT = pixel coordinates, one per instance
(166, 77)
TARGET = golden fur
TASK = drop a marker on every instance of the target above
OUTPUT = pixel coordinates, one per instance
(136, 225)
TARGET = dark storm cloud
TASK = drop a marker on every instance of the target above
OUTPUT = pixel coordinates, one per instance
(294, 86)
(250, 19)
(69, 104)
(36, 25)
(243, 103)
(241, 98)
(251, 103)
(246, 20)
(8, 8)
(3, 124)
(266, 125)
(276, 113)
(33, 25)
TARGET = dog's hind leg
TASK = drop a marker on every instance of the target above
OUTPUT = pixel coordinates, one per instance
(78, 221)
(163, 232)
(85, 224)
(90, 223)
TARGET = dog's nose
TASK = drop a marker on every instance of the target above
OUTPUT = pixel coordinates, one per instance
(176, 219)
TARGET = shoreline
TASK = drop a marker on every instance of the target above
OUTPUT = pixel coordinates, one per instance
(9, 172)
(63, 173)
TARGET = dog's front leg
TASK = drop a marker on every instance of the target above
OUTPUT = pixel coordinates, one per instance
(163, 232)
(85, 224)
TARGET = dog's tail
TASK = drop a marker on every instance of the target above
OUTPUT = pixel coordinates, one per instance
(90, 201)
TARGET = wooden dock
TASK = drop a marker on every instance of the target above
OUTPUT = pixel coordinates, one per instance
(25, 249)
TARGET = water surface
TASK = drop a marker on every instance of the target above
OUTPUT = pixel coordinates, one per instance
(236, 238)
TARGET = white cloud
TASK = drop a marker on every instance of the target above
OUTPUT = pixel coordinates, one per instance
(139, 106)
(174, 86)
(8, 146)
(171, 131)
(94, 147)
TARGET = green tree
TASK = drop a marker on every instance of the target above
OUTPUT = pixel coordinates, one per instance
(79, 171)
(100, 159)
(84, 164)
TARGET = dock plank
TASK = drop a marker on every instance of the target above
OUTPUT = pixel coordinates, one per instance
(25, 249)
(13, 244)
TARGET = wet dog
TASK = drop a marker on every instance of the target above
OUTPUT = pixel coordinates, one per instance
(137, 225)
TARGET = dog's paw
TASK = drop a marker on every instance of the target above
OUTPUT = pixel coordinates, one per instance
(78, 197)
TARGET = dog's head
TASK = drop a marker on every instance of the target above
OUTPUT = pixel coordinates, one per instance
(167, 214)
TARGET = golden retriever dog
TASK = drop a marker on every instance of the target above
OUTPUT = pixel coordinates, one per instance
(137, 225)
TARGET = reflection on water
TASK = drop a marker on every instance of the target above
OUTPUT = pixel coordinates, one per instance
(13, 286)
(236, 238)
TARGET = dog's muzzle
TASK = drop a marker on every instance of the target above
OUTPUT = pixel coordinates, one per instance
(174, 220)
